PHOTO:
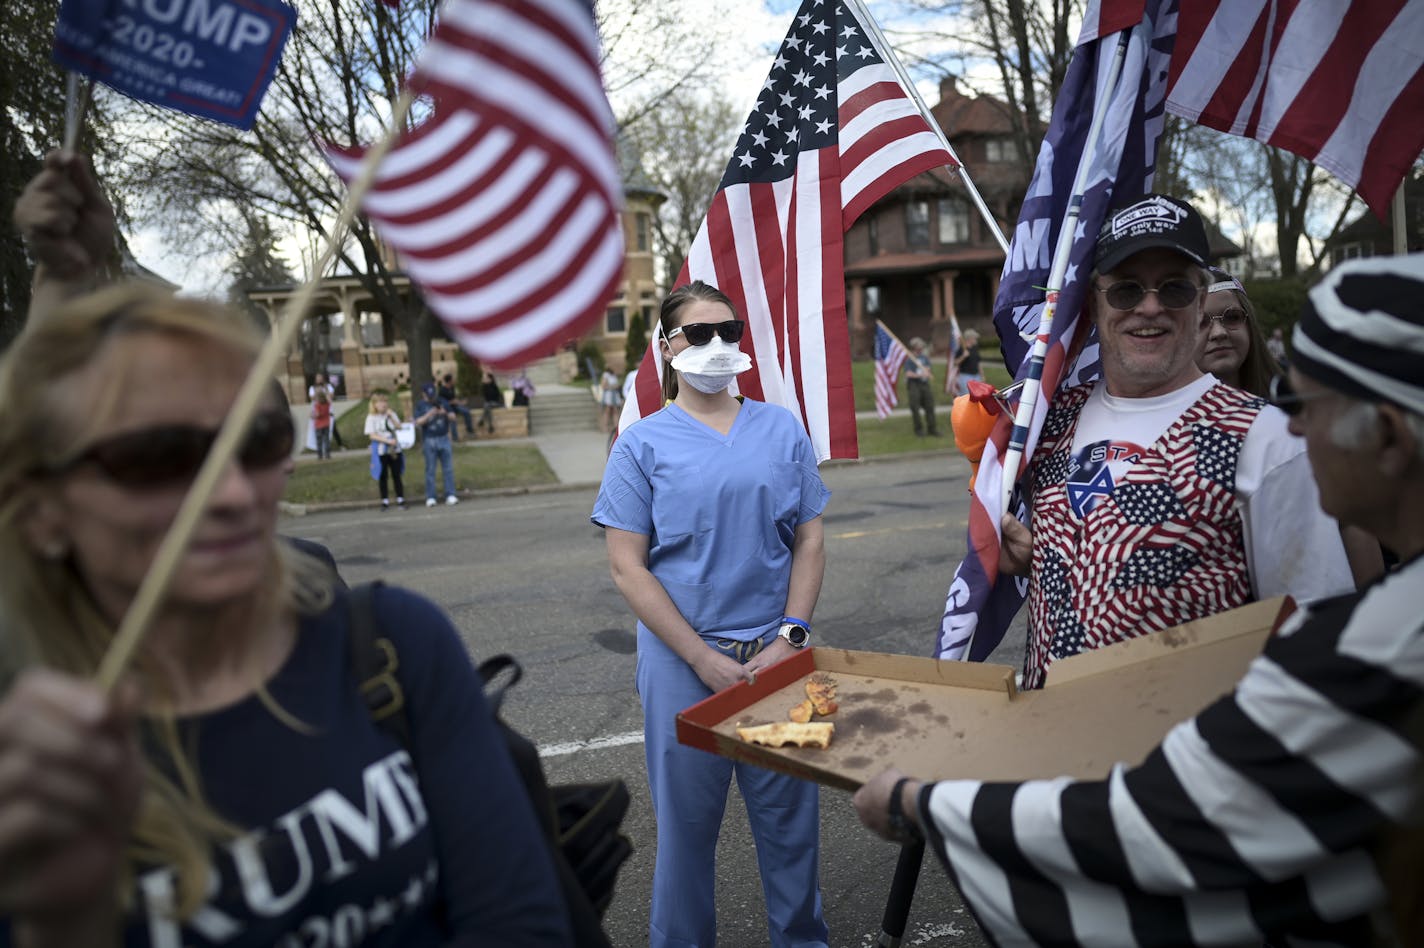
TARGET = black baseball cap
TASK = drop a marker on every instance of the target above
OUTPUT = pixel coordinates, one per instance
(1152, 221)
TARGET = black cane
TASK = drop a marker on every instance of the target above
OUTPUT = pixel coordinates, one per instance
(902, 893)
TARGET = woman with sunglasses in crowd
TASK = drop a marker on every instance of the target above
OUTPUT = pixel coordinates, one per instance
(711, 509)
(236, 789)
(1232, 348)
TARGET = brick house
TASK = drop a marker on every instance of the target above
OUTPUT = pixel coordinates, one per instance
(923, 252)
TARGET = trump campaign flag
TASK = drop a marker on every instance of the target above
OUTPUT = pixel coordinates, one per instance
(833, 131)
(890, 354)
(504, 203)
(211, 58)
(980, 604)
(1341, 84)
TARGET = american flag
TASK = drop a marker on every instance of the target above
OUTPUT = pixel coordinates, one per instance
(890, 354)
(504, 203)
(1341, 83)
(832, 132)
(980, 605)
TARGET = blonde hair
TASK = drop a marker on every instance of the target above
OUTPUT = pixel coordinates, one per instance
(50, 617)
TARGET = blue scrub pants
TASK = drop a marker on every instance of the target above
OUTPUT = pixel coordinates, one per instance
(689, 790)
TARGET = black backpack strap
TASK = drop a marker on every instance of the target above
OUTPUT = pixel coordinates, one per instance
(375, 663)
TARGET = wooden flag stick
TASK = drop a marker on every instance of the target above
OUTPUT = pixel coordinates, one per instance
(76, 102)
(160, 575)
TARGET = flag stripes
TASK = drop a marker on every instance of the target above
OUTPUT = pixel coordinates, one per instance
(1336, 83)
(504, 203)
(890, 355)
(816, 151)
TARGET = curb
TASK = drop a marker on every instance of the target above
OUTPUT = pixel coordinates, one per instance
(301, 510)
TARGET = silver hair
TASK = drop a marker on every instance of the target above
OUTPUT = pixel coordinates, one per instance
(1358, 423)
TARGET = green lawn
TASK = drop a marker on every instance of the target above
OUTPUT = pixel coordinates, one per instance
(349, 477)
(863, 377)
(896, 435)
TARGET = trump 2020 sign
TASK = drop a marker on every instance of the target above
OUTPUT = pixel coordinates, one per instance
(212, 58)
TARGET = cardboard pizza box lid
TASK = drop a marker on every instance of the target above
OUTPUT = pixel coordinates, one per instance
(939, 720)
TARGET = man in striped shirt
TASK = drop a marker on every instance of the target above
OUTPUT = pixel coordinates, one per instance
(1258, 819)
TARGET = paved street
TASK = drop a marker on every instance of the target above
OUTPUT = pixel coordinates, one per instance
(527, 574)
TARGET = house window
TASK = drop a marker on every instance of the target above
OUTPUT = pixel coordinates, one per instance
(917, 223)
(872, 227)
(872, 300)
(640, 226)
(617, 319)
(999, 149)
(953, 221)
(648, 316)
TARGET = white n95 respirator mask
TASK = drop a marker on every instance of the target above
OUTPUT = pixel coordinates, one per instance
(710, 368)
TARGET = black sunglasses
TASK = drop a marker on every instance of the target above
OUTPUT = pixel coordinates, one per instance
(1230, 319)
(1173, 294)
(699, 334)
(1287, 399)
(170, 454)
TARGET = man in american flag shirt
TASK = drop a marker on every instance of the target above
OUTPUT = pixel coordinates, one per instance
(1157, 494)
(1260, 818)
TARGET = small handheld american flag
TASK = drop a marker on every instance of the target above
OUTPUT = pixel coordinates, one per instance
(890, 354)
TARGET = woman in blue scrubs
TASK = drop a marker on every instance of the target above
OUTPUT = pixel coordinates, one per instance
(711, 509)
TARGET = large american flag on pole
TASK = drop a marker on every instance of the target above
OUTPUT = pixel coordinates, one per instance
(981, 604)
(833, 131)
(504, 204)
(1338, 83)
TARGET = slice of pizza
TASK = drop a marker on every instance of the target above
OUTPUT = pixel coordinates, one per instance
(781, 733)
(821, 692)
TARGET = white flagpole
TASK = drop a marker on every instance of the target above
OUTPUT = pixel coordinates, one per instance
(1028, 398)
(160, 575)
(877, 39)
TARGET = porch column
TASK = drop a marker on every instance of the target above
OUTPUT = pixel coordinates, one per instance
(855, 295)
(353, 365)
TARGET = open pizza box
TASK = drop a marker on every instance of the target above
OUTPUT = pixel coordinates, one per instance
(943, 719)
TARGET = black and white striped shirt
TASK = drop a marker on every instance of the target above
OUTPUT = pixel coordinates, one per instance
(1253, 820)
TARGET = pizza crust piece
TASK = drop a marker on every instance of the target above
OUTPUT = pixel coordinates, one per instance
(781, 733)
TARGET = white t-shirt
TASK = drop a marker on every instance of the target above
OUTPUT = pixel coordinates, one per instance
(1292, 547)
(376, 424)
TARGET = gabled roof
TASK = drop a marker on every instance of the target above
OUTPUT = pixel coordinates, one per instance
(959, 114)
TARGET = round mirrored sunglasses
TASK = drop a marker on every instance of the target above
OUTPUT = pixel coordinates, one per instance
(1173, 294)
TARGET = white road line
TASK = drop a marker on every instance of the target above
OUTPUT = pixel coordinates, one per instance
(596, 743)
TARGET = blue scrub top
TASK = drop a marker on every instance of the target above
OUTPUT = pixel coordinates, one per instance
(720, 512)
